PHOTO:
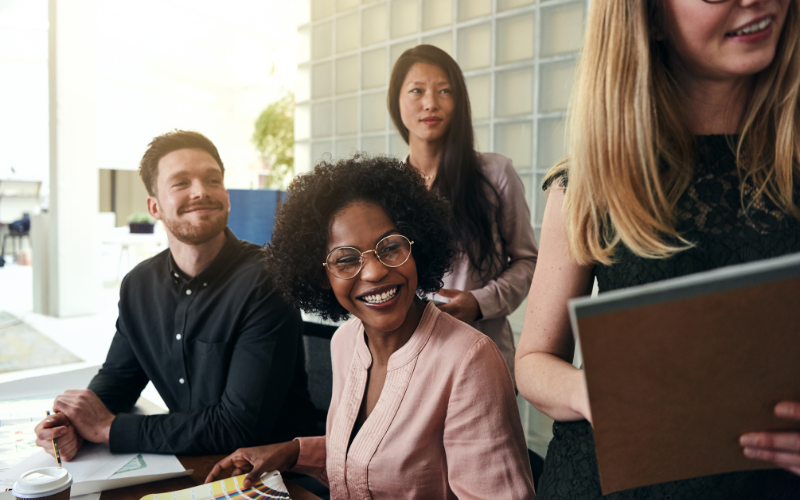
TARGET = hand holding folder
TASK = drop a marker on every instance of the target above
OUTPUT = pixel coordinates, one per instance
(678, 371)
(780, 448)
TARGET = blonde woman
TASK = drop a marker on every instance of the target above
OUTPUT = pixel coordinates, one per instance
(684, 156)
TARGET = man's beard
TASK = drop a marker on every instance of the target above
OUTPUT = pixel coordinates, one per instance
(206, 229)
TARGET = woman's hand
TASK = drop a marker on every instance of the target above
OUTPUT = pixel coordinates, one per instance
(462, 305)
(780, 448)
(258, 460)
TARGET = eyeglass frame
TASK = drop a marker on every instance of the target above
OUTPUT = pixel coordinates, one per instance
(715, 1)
(362, 259)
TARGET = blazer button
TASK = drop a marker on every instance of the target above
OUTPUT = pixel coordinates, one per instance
(188, 292)
(181, 380)
(178, 336)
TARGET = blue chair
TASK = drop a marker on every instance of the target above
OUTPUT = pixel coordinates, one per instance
(253, 213)
(16, 230)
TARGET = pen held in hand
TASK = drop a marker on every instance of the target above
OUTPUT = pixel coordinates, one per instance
(55, 447)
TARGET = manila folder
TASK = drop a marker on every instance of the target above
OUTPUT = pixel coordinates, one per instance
(678, 370)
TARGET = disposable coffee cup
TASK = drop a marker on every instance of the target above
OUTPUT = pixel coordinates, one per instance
(47, 483)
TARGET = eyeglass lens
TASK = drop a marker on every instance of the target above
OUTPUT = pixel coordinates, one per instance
(392, 251)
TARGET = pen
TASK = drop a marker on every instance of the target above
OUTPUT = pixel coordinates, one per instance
(55, 447)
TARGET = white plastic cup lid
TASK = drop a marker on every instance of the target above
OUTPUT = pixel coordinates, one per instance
(42, 482)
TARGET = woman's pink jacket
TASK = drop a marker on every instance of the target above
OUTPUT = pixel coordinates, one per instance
(446, 424)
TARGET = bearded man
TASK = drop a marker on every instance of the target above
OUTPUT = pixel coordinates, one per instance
(202, 321)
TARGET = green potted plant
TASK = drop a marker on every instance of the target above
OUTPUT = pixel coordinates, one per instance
(140, 222)
(274, 140)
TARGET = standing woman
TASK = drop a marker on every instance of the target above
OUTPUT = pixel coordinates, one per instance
(492, 272)
(684, 156)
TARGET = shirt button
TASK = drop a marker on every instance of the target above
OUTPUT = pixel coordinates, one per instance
(205, 284)
(178, 336)
(181, 380)
(188, 292)
(176, 275)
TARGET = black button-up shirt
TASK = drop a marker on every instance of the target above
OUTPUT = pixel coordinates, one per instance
(223, 350)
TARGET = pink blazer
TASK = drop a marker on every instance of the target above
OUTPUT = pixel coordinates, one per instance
(446, 424)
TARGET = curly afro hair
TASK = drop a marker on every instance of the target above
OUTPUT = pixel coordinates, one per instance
(299, 240)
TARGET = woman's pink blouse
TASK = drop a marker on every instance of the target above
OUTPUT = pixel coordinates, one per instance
(446, 424)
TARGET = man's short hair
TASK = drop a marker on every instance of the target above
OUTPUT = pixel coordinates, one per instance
(167, 143)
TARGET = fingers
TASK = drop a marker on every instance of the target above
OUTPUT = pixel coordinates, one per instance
(55, 420)
(44, 438)
(780, 448)
(68, 441)
(784, 459)
(47, 446)
(70, 445)
(788, 409)
(779, 441)
(448, 292)
(219, 467)
(254, 475)
(47, 434)
(63, 405)
(449, 308)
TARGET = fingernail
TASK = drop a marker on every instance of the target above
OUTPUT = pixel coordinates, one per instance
(747, 440)
(750, 452)
(784, 410)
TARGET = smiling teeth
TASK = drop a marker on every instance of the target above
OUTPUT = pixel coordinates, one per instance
(381, 297)
(754, 27)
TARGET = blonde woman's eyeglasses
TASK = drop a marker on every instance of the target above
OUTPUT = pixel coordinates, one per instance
(346, 262)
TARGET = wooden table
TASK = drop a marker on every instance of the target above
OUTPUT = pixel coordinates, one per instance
(202, 466)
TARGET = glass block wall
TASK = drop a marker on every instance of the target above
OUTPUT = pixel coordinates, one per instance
(518, 57)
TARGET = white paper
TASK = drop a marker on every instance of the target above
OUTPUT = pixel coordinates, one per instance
(95, 468)
(18, 418)
(112, 484)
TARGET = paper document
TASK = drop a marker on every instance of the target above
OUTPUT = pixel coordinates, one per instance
(95, 469)
(271, 487)
(18, 418)
(678, 370)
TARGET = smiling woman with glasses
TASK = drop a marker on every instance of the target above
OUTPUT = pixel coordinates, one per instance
(423, 405)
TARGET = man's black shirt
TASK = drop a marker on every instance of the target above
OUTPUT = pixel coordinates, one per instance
(223, 349)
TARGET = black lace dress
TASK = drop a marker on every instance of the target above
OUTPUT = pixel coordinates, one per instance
(712, 217)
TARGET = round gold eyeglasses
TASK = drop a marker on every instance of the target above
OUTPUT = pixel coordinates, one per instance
(346, 262)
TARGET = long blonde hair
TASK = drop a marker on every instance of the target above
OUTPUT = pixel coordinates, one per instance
(630, 151)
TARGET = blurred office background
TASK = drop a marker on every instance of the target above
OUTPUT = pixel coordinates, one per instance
(86, 84)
